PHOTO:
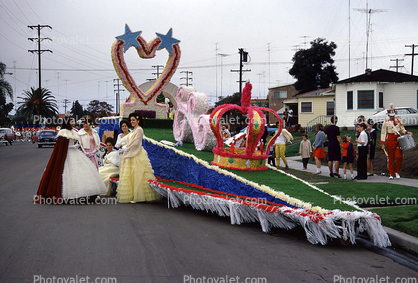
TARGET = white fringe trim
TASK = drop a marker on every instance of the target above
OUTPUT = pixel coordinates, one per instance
(335, 224)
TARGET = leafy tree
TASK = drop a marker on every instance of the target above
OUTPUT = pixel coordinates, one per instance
(231, 99)
(5, 87)
(5, 108)
(29, 106)
(313, 68)
(77, 110)
(97, 109)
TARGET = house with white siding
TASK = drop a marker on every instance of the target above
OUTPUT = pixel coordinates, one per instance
(371, 92)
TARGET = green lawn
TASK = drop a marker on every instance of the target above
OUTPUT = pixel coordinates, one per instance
(401, 218)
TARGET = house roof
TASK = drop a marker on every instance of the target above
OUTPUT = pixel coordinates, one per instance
(317, 93)
(283, 85)
(381, 76)
(290, 100)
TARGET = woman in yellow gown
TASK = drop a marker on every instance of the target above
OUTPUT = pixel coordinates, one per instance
(135, 168)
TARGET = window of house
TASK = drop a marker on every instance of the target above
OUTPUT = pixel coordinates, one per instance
(280, 94)
(306, 107)
(380, 99)
(330, 108)
(365, 99)
(350, 100)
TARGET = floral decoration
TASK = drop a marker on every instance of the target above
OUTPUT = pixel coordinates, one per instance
(145, 51)
(191, 124)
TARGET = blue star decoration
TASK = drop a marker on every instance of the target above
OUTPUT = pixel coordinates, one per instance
(129, 38)
(167, 41)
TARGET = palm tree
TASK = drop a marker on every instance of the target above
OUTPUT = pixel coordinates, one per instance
(5, 87)
(30, 104)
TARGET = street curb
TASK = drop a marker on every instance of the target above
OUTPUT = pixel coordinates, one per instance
(401, 239)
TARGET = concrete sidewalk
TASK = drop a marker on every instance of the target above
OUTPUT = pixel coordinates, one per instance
(295, 162)
(397, 238)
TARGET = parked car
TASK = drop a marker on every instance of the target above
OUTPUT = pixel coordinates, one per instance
(47, 137)
(6, 136)
(408, 115)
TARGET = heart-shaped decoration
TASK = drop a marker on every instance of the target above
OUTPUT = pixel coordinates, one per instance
(145, 51)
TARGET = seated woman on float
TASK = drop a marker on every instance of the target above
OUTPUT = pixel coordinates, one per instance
(110, 166)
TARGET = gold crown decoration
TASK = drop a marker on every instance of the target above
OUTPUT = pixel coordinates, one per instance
(252, 157)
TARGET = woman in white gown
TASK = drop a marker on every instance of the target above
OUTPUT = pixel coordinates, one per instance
(110, 166)
(123, 137)
(69, 173)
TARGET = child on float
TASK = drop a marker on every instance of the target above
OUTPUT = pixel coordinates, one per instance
(348, 156)
(305, 150)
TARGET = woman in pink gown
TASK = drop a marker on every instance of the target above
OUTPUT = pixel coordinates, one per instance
(89, 140)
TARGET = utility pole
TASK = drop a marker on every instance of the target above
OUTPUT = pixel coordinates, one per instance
(259, 83)
(65, 105)
(222, 63)
(187, 78)
(157, 74)
(39, 51)
(397, 65)
(106, 90)
(117, 84)
(15, 93)
(243, 57)
(412, 54)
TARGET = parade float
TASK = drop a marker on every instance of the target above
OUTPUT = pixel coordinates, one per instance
(237, 183)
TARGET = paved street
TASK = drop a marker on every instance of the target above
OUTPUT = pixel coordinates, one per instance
(151, 243)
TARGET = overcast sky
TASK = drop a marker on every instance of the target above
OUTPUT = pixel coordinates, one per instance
(80, 67)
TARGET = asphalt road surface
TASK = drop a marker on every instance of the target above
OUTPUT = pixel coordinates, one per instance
(151, 243)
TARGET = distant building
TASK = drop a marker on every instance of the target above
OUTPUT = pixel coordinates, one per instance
(313, 107)
(371, 92)
(276, 96)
